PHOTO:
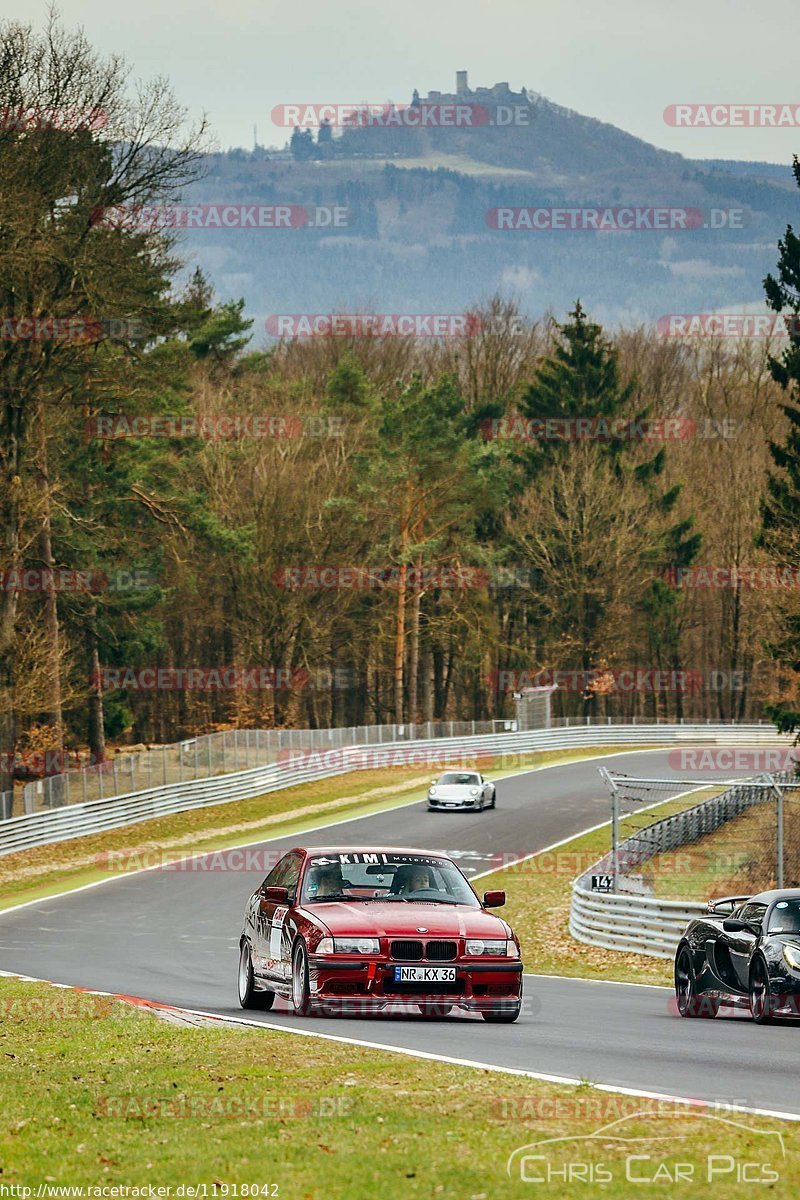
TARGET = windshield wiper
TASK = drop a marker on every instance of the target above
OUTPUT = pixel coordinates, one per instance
(337, 896)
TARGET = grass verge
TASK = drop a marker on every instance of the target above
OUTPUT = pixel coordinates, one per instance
(739, 858)
(96, 1093)
(60, 866)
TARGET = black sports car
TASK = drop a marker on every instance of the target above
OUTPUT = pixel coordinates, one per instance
(743, 952)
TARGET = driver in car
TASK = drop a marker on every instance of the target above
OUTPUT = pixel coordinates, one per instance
(417, 879)
(328, 881)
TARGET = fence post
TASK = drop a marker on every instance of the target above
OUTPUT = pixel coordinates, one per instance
(614, 823)
(779, 838)
(196, 759)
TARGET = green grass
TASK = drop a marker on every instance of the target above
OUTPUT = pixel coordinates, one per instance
(50, 869)
(97, 1093)
(538, 893)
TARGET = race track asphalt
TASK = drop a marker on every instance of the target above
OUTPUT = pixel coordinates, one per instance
(171, 936)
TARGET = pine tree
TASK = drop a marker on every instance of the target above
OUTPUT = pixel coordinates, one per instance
(781, 533)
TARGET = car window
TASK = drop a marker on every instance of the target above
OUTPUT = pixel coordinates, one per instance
(753, 913)
(395, 878)
(464, 778)
(291, 874)
(284, 866)
(785, 917)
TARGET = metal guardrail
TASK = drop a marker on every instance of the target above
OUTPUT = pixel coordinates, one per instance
(76, 820)
(239, 749)
(647, 925)
(224, 753)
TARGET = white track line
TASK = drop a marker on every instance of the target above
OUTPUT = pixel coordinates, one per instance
(426, 1055)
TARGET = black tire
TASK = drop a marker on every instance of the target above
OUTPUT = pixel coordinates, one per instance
(762, 1004)
(503, 1014)
(494, 800)
(690, 1002)
(301, 992)
(435, 1010)
(248, 996)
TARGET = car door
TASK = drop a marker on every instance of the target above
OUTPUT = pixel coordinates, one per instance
(269, 921)
(742, 944)
(281, 934)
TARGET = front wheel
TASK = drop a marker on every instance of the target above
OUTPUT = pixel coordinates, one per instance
(761, 1001)
(690, 1002)
(248, 996)
(494, 800)
(301, 991)
(503, 1014)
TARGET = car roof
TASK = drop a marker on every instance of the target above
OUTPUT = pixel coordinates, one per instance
(350, 849)
(776, 894)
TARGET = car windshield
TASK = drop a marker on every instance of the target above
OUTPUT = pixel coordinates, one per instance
(463, 778)
(366, 876)
(785, 917)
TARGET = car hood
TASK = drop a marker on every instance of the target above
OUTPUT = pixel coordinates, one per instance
(405, 920)
(454, 791)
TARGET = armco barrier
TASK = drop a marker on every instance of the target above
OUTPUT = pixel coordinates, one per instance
(76, 820)
(623, 920)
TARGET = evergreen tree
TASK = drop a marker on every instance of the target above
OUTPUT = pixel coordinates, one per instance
(781, 533)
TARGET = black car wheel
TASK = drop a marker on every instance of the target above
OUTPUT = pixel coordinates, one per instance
(494, 800)
(690, 1002)
(248, 996)
(761, 1001)
(301, 992)
(503, 1014)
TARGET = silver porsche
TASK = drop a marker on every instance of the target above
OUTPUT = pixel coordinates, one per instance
(461, 789)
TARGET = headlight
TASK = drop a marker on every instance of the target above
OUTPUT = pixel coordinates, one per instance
(475, 946)
(431, 791)
(325, 946)
(357, 945)
(474, 791)
(792, 956)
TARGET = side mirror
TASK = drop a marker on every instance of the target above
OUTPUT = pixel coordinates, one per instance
(494, 899)
(274, 895)
(734, 925)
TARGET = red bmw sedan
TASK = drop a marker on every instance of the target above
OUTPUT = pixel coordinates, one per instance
(343, 931)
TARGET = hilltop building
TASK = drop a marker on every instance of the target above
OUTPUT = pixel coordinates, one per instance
(501, 93)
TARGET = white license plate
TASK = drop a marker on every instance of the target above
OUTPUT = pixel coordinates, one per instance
(424, 974)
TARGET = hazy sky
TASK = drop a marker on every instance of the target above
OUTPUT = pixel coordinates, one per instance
(622, 61)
